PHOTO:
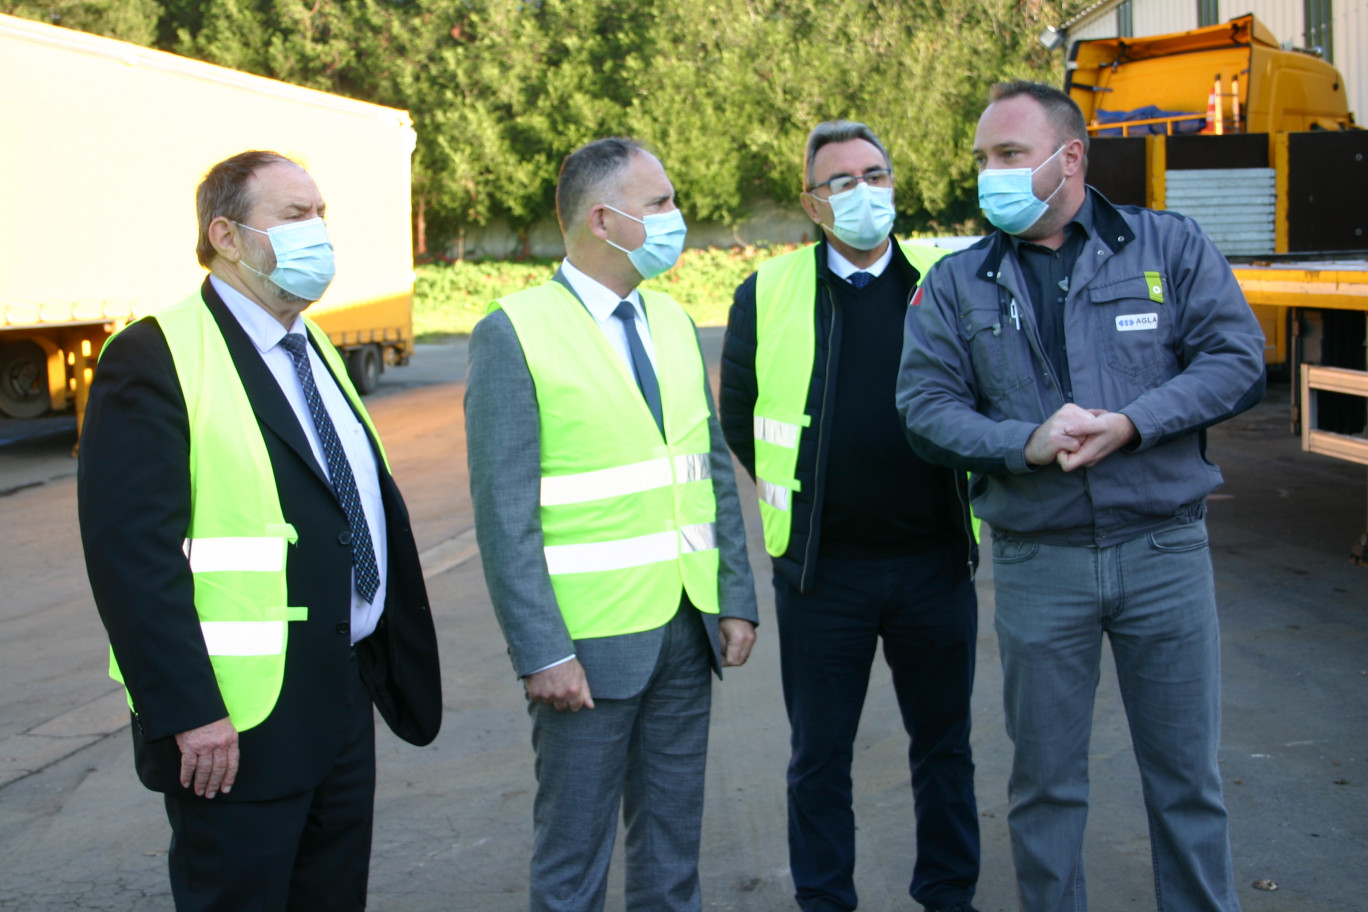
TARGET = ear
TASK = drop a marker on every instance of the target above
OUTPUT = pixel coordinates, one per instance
(598, 220)
(1073, 157)
(811, 207)
(223, 235)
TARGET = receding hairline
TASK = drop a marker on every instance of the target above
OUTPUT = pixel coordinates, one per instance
(578, 187)
(1059, 109)
(836, 132)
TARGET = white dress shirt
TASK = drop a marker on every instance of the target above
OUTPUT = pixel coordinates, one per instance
(843, 268)
(266, 332)
(601, 301)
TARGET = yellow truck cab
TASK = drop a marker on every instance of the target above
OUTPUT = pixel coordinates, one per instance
(1164, 84)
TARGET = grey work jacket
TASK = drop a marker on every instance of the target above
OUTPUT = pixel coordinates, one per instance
(1156, 328)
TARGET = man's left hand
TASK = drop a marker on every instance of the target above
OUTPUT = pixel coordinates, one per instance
(737, 637)
(1109, 432)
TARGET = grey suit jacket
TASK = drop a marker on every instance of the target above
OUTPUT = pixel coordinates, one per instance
(504, 452)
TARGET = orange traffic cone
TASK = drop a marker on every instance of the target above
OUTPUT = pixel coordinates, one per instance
(1211, 122)
(1235, 102)
(1220, 106)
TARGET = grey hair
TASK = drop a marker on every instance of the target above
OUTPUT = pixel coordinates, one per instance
(223, 193)
(838, 131)
(584, 172)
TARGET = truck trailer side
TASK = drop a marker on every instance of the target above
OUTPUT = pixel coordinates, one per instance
(102, 144)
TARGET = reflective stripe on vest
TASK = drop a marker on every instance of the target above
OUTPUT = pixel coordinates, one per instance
(244, 555)
(786, 345)
(626, 514)
(628, 479)
(630, 552)
(238, 539)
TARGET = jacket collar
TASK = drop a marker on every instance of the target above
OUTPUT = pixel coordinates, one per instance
(906, 270)
(1109, 228)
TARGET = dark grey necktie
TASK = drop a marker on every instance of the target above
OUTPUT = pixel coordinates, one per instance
(641, 364)
(339, 470)
(859, 279)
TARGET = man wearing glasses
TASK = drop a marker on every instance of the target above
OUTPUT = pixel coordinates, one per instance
(868, 541)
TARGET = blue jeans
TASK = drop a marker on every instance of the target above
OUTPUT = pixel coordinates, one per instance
(1154, 598)
(925, 611)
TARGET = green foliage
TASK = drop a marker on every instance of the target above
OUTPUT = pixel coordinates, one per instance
(704, 280)
(725, 90)
(127, 20)
(449, 299)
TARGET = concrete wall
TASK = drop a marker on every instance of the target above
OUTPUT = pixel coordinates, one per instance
(769, 222)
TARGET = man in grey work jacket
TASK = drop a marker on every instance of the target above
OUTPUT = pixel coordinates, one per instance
(870, 543)
(1072, 360)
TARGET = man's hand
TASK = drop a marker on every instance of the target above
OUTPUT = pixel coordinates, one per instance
(209, 758)
(564, 686)
(1110, 432)
(1062, 432)
(737, 636)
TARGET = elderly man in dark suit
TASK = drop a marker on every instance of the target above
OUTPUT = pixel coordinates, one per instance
(252, 561)
(608, 519)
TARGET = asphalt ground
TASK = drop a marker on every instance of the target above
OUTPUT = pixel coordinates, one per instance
(453, 820)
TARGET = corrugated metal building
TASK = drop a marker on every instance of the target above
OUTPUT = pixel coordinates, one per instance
(1339, 27)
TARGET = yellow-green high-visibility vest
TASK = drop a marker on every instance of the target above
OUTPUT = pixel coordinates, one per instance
(237, 540)
(627, 516)
(786, 344)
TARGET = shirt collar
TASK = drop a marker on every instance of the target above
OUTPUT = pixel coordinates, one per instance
(598, 299)
(843, 268)
(263, 329)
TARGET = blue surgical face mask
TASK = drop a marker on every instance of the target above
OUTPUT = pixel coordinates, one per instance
(862, 216)
(304, 257)
(1007, 197)
(665, 232)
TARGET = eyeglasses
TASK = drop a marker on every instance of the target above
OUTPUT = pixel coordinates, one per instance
(878, 177)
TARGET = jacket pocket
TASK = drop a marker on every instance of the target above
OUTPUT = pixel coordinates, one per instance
(1134, 320)
(1013, 551)
(993, 345)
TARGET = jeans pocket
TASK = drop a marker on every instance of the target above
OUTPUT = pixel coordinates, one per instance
(1185, 537)
(1009, 551)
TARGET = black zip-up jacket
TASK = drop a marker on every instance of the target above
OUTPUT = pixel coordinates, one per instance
(736, 408)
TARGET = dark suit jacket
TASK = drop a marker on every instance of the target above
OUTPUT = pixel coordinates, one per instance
(503, 446)
(134, 505)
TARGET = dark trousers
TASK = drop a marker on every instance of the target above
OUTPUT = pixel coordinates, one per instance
(925, 611)
(300, 853)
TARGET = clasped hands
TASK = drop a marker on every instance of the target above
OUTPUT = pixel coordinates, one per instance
(1077, 437)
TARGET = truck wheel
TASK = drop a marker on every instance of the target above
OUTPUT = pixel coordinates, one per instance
(364, 365)
(23, 380)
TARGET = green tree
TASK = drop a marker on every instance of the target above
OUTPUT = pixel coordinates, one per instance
(725, 90)
(127, 20)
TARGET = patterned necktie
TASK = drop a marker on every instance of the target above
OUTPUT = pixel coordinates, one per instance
(859, 279)
(339, 470)
(641, 364)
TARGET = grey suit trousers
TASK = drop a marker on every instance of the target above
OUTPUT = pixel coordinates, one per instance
(645, 753)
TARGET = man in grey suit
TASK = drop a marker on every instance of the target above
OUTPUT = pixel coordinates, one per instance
(611, 533)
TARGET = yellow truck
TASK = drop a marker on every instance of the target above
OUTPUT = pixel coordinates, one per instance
(1256, 143)
(102, 144)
